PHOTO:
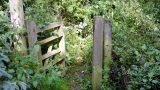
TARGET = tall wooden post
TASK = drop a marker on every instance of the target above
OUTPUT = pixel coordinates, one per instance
(17, 20)
(32, 35)
(62, 44)
(107, 48)
(97, 53)
(32, 39)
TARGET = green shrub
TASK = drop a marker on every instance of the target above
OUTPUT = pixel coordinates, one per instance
(145, 77)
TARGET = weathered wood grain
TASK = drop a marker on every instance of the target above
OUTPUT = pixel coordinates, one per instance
(48, 39)
(107, 43)
(97, 53)
(62, 48)
(107, 49)
(49, 54)
(32, 35)
(50, 26)
(32, 40)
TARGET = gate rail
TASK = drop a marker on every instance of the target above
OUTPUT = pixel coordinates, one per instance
(33, 31)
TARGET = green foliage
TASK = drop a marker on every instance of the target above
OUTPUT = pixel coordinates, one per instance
(23, 71)
(135, 39)
(4, 22)
(79, 50)
(135, 32)
(30, 71)
(41, 11)
(145, 76)
(6, 82)
(49, 81)
(79, 54)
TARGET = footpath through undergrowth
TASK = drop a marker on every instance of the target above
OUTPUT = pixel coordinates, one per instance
(79, 77)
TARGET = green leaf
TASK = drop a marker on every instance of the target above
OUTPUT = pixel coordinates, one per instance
(11, 71)
(142, 88)
(154, 81)
(22, 85)
(4, 74)
(137, 53)
(9, 86)
(144, 80)
(4, 58)
(150, 74)
(144, 47)
(35, 83)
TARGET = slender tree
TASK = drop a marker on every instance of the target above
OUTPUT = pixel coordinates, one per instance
(17, 20)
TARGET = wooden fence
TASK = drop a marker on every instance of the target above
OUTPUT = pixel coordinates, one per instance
(101, 50)
(33, 31)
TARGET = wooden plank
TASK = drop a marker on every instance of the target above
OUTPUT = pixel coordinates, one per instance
(53, 52)
(32, 36)
(48, 39)
(97, 53)
(107, 47)
(49, 49)
(38, 30)
(50, 26)
(57, 61)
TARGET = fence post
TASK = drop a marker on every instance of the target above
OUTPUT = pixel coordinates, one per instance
(32, 39)
(107, 48)
(97, 53)
(32, 35)
(62, 45)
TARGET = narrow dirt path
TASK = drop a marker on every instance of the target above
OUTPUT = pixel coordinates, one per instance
(75, 73)
(77, 76)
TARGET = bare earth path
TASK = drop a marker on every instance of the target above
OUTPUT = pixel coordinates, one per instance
(78, 78)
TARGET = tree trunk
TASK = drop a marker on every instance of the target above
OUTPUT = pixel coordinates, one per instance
(17, 20)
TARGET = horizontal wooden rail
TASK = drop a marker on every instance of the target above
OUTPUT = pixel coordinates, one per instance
(49, 54)
(48, 39)
(49, 26)
(57, 61)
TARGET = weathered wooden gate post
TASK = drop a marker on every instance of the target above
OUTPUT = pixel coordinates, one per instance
(107, 43)
(101, 51)
(32, 35)
(32, 39)
(107, 49)
(62, 45)
(97, 53)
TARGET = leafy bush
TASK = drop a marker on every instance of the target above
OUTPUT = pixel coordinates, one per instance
(83, 51)
(146, 76)
(27, 72)
(6, 82)
(21, 71)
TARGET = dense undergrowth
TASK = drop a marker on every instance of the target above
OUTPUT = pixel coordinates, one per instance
(135, 42)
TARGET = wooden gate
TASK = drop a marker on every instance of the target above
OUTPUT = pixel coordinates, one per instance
(33, 31)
